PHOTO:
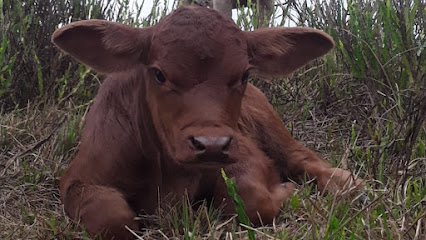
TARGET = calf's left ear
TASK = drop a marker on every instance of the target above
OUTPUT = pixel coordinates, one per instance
(104, 46)
(280, 51)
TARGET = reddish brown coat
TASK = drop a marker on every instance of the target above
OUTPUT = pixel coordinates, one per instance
(175, 108)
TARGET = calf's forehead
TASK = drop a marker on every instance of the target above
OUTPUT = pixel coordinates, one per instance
(193, 36)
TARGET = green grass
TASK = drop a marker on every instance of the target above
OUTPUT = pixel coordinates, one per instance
(361, 107)
(232, 188)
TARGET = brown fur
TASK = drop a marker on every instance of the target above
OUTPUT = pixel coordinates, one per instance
(138, 143)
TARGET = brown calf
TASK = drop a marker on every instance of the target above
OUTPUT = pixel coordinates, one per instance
(175, 108)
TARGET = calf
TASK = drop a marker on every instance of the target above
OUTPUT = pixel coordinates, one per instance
(175, 108)
(265, 7)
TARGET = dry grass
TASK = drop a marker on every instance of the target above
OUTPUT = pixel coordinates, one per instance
(37, 145)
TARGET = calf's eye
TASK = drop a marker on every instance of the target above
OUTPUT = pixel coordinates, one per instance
(159, 77)
(244, 79)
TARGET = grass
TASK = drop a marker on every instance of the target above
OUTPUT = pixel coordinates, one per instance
(361, 107)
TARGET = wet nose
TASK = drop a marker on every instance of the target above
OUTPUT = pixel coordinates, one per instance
(203, 144)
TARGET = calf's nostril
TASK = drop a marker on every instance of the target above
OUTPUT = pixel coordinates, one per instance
(198, 143)
(224, 142)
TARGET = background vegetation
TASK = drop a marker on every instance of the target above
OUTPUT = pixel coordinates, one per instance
(362, 107)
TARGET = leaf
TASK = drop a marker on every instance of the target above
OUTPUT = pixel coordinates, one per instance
(239, 204)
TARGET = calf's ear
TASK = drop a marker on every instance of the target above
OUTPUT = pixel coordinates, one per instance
(280, 51)
(104, 46)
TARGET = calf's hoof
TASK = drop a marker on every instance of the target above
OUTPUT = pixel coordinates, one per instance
(268, 207)
(283, 192)
(340, 181)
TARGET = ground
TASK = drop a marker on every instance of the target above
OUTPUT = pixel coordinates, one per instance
(39, 141)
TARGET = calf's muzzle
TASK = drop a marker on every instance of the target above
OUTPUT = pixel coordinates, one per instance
(211, 149)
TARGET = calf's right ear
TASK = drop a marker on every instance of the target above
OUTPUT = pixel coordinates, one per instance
(281, 50)
(104, 46)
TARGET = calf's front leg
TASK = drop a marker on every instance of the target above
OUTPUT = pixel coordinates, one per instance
(291, 158)
(258, 183)
(101, 210)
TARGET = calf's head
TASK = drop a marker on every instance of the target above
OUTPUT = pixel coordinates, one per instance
(192, 68)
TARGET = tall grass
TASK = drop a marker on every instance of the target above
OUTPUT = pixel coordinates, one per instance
(31, 68)
(381, 50)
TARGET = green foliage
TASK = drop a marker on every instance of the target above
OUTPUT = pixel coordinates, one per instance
(5, 68)
(239, 203)
(375, 77)
(31, 68)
